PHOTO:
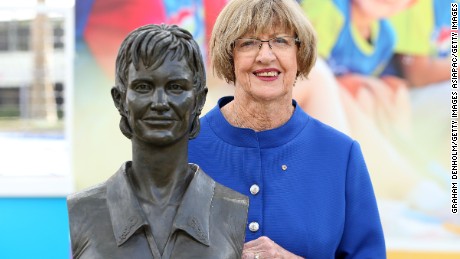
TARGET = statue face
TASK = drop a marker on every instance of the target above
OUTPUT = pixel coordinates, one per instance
(160, 102)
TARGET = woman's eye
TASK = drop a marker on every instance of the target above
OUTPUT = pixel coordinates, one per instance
(280, 40)
(247, 43)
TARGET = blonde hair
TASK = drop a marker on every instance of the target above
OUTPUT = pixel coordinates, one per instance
(258, 16)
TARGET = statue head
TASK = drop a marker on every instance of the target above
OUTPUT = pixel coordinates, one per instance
(150, 46)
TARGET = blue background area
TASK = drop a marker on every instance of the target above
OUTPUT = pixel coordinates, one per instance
(34, 228)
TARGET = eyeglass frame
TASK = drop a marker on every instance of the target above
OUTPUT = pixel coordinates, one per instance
(296, 41)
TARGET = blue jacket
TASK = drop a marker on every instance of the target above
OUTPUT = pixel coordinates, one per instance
(308, 184)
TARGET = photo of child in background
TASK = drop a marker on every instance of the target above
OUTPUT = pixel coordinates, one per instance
(360, 41)
(357, 42)
(422, 58)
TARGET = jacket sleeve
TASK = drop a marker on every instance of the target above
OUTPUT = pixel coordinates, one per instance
(362, 235)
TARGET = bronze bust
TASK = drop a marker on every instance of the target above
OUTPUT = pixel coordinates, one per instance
(158, 205)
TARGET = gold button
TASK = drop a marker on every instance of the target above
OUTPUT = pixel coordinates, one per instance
(284, 167)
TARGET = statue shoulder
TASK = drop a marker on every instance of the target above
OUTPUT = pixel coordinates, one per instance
(231, 207)
(230, 196)
(87, 197)
(232, 204)
(84, 208)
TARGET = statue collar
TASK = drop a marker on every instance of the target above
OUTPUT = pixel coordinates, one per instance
(192, 215)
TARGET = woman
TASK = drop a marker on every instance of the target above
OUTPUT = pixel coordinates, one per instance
(158, 205)
(310, 192)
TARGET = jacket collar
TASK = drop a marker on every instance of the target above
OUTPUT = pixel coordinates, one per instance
(249, 138)
(192, 215)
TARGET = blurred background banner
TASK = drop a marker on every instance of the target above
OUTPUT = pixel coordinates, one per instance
(102, 25)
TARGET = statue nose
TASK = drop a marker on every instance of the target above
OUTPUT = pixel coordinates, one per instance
(159, 100)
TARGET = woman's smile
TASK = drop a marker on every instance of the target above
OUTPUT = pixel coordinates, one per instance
(267, 74)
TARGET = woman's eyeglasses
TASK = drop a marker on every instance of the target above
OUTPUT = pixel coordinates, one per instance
(253, 45)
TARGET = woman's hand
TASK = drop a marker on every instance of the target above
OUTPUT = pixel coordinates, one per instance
(263, 248)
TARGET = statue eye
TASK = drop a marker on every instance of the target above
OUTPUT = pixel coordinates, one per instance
(142, 87)
(175, 88)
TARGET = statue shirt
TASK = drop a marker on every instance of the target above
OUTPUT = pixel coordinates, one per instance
(106, 221)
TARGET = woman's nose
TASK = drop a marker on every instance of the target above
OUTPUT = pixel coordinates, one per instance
(265, 53)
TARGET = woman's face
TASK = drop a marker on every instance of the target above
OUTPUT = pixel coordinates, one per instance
(265, 73)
